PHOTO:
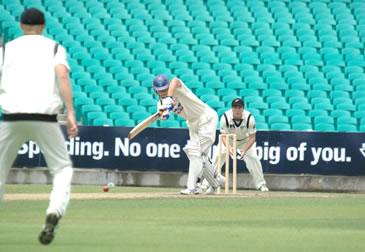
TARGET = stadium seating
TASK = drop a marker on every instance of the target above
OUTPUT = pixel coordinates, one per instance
(299, 65)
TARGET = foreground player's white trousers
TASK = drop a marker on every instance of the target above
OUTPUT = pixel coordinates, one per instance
(253, 163)
(51, 141)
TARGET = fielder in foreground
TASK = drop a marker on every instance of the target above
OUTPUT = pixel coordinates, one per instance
(241, 122)
(30, 101)
(202, 121)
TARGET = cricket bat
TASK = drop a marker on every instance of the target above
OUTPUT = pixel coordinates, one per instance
(144, 124)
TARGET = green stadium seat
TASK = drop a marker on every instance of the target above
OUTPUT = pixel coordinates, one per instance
(215, 104)
(296, 99)
(262, 126)
(362, 128)
(148, 102)
(302, 105)
(302, 127)
(111, 108)
(135, 108)
(140, 115)
(96, 94)
(280, 105)
(249, 99)
(295, 112)
(324, 127)
(323, 119)
(294, 93)
(248, 92)
(360, 101)
(125, 102)
(317, 100)
(258, 105)
(280, 126)
(348, 107)
(277, 119)
(301, 119)
(324, 106)
(318, 112)
(90, 117)
(275, 99)
(209, 97)
(103, 122)
(204, 91)
(169, 124)
(346, 120)
(270, 112)
(347, 128)
(119, 115)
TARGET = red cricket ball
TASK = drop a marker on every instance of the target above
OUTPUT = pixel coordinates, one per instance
(106, 188)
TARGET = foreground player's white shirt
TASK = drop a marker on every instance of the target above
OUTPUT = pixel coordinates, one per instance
(28, 83)
(193, 107)
(230, 126)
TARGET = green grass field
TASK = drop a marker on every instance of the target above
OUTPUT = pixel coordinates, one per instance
(283, 222)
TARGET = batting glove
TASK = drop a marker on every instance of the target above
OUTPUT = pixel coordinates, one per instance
(169, 103)
(165, 115)
(178, 108)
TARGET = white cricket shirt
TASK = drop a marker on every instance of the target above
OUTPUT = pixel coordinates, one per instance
(238, 127)
(194, 108)
(28, 81)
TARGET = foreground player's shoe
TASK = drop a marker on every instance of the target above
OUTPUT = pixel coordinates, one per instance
(195, 191)
(264, 188)
(47, 233)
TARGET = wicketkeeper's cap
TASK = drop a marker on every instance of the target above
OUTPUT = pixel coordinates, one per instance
(238, 102)
(32, 16)
(160, 82)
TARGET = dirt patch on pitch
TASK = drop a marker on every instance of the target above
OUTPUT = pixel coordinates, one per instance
(169, 195)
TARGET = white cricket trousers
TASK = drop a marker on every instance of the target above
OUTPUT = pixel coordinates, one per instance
(202, 133)
(51, 141)
(253, 163)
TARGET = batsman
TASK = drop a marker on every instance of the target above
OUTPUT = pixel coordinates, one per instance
(176, 97)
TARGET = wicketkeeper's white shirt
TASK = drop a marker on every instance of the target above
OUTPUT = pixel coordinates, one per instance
(28, 81)
(230, 126)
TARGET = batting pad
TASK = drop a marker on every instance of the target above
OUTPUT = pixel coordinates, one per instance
(209, 173)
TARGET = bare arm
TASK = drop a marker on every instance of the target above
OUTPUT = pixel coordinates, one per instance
(175, 83)
(251, 141)
(66, 93)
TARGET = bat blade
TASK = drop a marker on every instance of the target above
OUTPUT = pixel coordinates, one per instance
(144, 124)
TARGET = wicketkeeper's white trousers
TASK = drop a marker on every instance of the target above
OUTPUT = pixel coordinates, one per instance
(253, 163)
(51, 141)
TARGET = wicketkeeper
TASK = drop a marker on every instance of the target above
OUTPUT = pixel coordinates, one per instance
(239, 121)
(202, 121)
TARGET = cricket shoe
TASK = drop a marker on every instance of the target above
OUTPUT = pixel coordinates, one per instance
(212, 190)
(47, 233)
(195, 191)
(205, 184)
(221, 180)
(263, 188)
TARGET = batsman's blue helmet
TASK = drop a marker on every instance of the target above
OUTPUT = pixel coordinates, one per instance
(160, 82)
